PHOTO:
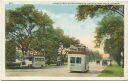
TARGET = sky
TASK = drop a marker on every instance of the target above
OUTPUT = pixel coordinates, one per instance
(64, 17)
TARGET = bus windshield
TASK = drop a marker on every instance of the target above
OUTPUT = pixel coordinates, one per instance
(39, 59)
(72, 60)
(75, 60)
(78, 60)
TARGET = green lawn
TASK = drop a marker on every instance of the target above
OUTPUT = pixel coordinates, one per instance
(112, 71)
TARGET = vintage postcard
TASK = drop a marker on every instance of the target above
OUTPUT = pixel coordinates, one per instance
(64, 40)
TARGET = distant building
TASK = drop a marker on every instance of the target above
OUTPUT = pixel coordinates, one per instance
(105, 56)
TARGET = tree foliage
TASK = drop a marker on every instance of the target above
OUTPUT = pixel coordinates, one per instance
(22, 22)
(110, 33)
(94, 55)
(84, 11)
(110, 30)
(10, 51)
(32, 30)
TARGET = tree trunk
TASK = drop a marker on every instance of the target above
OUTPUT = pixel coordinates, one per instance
(123, 60)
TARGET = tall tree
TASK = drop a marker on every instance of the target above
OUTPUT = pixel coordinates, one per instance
(22, 22)
(109, 33)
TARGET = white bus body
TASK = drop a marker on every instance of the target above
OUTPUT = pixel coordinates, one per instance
(26, 63)
(78, 62)
(35, 62)
(38, 62)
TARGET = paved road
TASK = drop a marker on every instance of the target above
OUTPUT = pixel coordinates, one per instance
(56, 71)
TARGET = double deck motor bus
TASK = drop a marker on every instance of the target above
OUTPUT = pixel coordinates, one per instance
(33, 62)
(78, 59)
(38, 62)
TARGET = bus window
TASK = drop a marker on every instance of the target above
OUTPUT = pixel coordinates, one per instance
(42, 59)
(72, 60)
(39, 59)
(78, 60)
(36, 60)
